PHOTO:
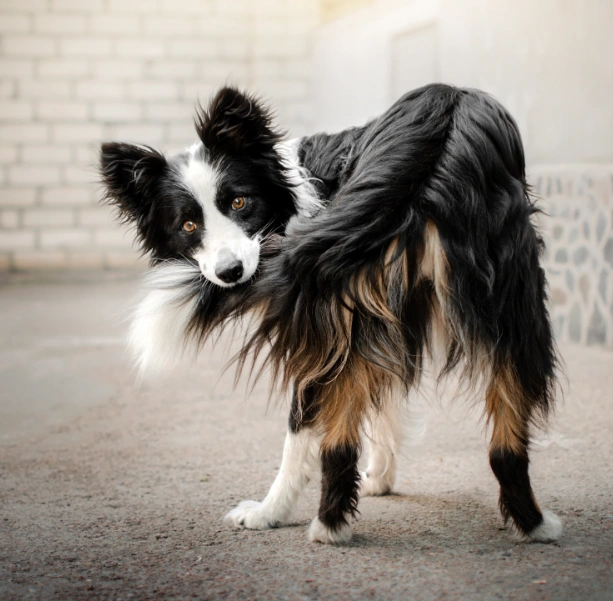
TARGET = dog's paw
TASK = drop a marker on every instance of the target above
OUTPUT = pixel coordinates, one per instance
(548, 531)
(375, 487)
(318, 533)
(249, 514)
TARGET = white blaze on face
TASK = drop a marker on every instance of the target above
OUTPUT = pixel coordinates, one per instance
(224, 243)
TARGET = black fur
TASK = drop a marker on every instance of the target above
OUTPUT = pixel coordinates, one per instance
(340, 482)
(516, 498)
(440, 156)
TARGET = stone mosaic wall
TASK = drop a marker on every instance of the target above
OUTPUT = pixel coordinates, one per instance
(578, 231)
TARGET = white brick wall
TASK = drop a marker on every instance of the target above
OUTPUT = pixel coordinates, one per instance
(76, 72)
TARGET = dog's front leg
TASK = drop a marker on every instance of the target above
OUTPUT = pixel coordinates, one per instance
(299, 465)
(340, 481)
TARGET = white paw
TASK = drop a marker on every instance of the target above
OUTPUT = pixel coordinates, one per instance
(321, 534)
(548, 531)
(249, 514)
(375, 487)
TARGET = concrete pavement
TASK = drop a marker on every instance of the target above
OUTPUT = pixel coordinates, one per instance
(112, 492)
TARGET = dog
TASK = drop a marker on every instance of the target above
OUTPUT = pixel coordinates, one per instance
(361, 253)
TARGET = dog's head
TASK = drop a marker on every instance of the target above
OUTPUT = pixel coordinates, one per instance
(212, 204)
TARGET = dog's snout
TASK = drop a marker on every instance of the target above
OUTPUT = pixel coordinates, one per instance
(231, 272)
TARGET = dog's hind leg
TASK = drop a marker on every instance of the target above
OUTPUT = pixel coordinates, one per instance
(298, 466)
(509, 408)
(383, 433)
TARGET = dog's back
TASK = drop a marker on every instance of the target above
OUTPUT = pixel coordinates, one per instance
(428, 230)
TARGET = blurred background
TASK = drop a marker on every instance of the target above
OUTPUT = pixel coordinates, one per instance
(76, 72)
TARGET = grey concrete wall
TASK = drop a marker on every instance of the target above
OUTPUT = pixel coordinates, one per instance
(551, 63)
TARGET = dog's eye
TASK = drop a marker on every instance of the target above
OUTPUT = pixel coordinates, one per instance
(238, 203)
(189, 226)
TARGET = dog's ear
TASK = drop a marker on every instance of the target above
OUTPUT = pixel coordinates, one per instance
(131, 176)
(236, 123)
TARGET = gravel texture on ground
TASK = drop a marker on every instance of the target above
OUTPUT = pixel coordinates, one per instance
(112, 491)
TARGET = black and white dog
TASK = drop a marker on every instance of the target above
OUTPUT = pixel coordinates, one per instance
(360, 253)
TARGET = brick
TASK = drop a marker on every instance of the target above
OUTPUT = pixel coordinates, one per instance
(129, 259)
(193, 92)
(237, 49)
(181, 133)
(86, 155)
(14, 23)
(96, 216)
(8, 154)
(63, 68)
(62, 24)
(82, 174)
(117, 111)
(169, 26)
(236, 7)
(192, 48)
(280, 47)
(43, 89)
(220, 70)
(189, 7)
(9, 219)
(24, 5)
(115, 24)
(79, 6)
(76, 132)
(113, 237)
(48, 217)
(17, 197)
(274, 9)
(41, 154)
(143, 133)
(64, 238)
(169, 111)
(296, 68)
(62, 111)
(85, 46)
(16, 110)
(285, 90)
(66, 196)
(228, 26)
(85, 259)
(7, 89)
(151, 48)
(28, 45)
(98, 90)
(169, 69)
(17, 68)
(27, 132)
(34, 174)
(291, 27)
(130, 6)
(268, 69)
(10, 240)
(39, 259)
(119, 69)
(153, 90)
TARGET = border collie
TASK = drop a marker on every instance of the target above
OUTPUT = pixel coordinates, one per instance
(360, 253)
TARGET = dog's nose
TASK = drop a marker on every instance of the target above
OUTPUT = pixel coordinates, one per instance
(230, 273)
